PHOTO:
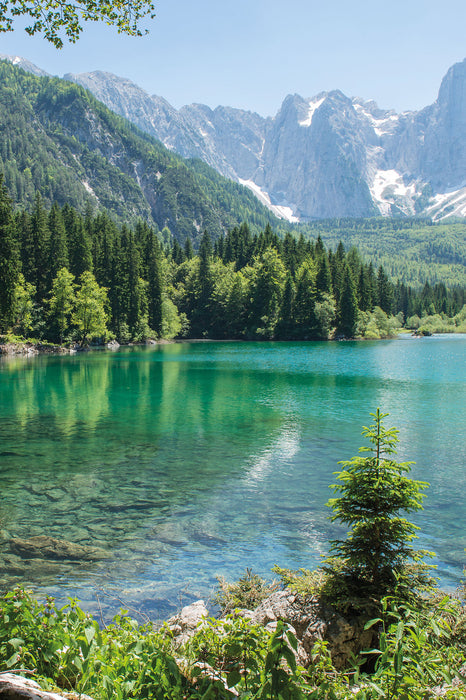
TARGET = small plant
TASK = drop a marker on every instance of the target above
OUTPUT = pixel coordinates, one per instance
(302, 581)
(415, 653)
(246, 593)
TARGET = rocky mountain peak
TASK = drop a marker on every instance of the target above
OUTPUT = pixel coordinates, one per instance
(324, 156)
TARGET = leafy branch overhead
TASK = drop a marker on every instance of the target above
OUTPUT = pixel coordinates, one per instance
(57, 19)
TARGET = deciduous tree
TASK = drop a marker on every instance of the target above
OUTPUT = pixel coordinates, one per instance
(89, 315)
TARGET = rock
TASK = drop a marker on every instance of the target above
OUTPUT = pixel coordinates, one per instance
(312, 622)
(14, 687)
(184, 624)
(45, 547)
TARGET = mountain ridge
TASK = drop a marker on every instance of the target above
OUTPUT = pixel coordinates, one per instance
(325, 156)
(321, 157)
(58, 140)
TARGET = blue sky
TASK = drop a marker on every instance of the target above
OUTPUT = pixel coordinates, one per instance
(252, 53)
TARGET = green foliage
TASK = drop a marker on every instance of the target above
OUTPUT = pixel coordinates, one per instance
(303, 581)
(68, 649)
(89, 312)
(23, 306)
(417, 650)
(245, 286)
(62, 301)
(248, 592)
(374, 492)
(234, 658)
(415, 654)
(58, 20)
(9, 259)
(412, 250)
(376, 324)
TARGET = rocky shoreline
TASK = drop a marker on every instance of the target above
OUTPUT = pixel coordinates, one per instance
(28, 348)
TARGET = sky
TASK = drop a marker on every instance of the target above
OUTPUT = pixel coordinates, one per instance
(250, 54)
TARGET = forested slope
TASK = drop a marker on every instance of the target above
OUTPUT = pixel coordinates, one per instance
(58, 140)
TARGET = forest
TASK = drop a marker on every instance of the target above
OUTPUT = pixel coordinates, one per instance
(72, 277)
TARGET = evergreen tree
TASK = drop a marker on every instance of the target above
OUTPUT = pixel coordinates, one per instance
(58, 241)
(385, 294)
(136, 302)
(304, 305)
(266, 293)
(347, 305)
(188, 248)
(374, 491)
(155, 284)
(364, 290)
(40, 237)
(79, 243)
(178, 255)
(201, 319)
(286, 326)
(9, 259)
(323, 276)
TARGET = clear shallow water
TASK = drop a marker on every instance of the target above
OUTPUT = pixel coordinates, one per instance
(188, 461)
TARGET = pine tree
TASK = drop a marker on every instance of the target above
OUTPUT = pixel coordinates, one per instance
(286, 325)
(9, 259)
(374, 491)
(347, 305)
(305, 300)
(155, 284)
(385, 294)
(58, 241)
(40, 236)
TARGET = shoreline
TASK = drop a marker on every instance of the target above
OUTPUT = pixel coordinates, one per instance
(31, 349)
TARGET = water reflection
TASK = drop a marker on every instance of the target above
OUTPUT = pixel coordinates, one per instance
(187, 461)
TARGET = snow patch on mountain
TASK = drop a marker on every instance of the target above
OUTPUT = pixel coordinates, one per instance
(314, 104)
(448, 204)
(24, 64)
(388, 189)
(382, 122)
(283, 212)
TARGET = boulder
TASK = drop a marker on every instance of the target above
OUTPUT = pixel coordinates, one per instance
(14, 687)
(45, 547)
(185, 624)
(311, 622)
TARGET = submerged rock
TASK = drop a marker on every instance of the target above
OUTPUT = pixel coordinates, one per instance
(45, 547)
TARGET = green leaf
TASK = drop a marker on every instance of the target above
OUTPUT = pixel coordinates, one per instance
(89, 633)
(372, 622)
(233, 678)
(16, 642)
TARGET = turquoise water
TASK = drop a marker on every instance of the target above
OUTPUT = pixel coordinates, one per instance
(188, 461)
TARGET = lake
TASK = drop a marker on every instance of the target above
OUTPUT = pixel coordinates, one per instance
(194, 460)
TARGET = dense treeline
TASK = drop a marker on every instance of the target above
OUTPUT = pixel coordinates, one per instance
(412, 249)
(67, 276)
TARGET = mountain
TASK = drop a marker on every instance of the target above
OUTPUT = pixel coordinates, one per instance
(320, 157)
(56, 138)
(328, 156)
